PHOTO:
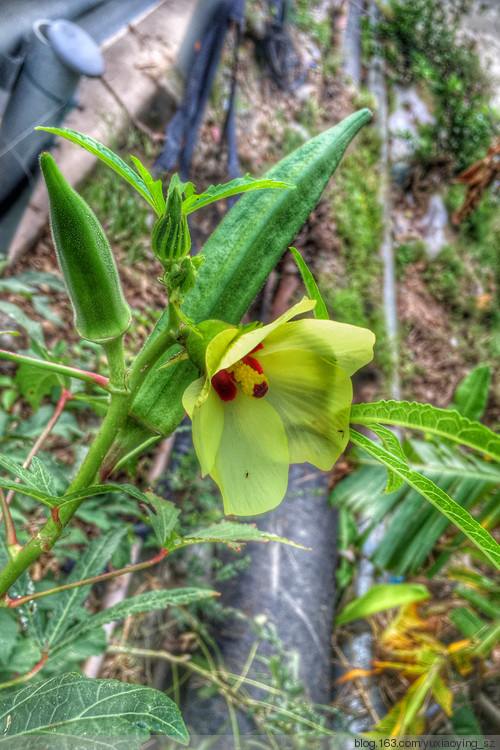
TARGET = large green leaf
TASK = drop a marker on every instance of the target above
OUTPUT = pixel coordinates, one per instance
(457, 515)
(443, 423)
(74, 712)
(240, 255)
(141, 603)
(472, 394)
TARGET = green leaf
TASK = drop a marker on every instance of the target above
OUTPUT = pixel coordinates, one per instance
(391, 443)
(36, 478)
(102, 489)
(107, 156)
(35, 383)
(155, 187)
(90, 563)
(41, 303)
(43, 477)
(146, 602)
(163, 516)
(32, 328)
(472, 394)
(239, 256)
(382, 596)
(457, 515)
(106, 713)
(230, 533)
(320, 311)
(8, 635)
(39, 278)
(23, 489)
(443, 423)
(239, 185)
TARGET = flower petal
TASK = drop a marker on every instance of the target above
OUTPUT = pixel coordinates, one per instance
(350, 347)
(313, 398)
(208, 422)
(246, 342)
(251, 467)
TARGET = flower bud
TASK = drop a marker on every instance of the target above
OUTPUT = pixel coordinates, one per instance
(171, 239)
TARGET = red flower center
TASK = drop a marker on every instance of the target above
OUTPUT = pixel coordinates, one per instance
(247, 372)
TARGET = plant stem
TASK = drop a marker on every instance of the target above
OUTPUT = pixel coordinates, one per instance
(27, 676)
(121, 400)
(71, 372)
(10, 529)
(65, 395)
(13, 603)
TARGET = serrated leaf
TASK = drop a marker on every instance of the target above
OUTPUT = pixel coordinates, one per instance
(155, 187)
(472, 394)
(23, 489)
(391, 443)
(102, 713)
(90, 563)
(320, 311)
(444, 423)
(146, 602)
(163, 516)
(32, 478)
(457, 515)
(239, 185)
(42, 477)
(107, 156)
(382, 596)
(35, 383)
(32, 327)
(230, 533)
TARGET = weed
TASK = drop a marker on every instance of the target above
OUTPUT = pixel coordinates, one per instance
(421, 43)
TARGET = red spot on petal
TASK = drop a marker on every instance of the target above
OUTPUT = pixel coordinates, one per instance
(260, 390)
(251, 362)
(224, 385)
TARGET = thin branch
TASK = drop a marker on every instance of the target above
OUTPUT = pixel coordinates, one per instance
(42, 364)
(13, 603)
(64, 397)
(10, 529)
(25, 677)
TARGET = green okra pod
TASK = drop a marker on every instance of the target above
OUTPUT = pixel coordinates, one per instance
(86, 261)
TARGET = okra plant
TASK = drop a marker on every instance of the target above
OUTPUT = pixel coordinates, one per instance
(259, 397)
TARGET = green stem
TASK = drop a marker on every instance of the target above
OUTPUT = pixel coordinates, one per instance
(19, 601)
(71, 372)
(10, 529)
(121, 401)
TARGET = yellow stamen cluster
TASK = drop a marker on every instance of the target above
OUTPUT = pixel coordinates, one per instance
(247, 377)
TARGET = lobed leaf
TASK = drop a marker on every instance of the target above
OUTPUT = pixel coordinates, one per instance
(463, 520)
(444, 423)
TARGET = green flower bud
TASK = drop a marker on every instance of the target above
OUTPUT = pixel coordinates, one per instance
(86, 261)
(171, 240)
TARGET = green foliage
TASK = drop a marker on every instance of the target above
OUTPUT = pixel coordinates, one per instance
(422, 44)
(71, 706)
(380, 597)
